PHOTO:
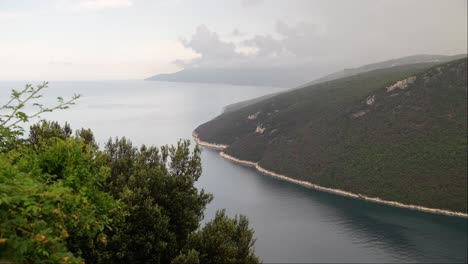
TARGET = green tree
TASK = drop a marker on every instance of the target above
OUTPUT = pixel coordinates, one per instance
(223, 240)
(190, 257)
(63, 200)
(158, 184)
(52, 202)
(52, 206)
(45, 130)
(34, 215)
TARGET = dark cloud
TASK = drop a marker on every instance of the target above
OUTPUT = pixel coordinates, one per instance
(295, 40)
(210, 47)
(294, 44)
(265, 45)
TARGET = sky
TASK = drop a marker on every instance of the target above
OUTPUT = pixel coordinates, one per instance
(135, 39)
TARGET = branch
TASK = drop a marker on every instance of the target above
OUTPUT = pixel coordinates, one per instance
(16, 116)
(21, 103)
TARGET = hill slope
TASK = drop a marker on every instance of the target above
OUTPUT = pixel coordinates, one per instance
(398, 133)
(246, 75)
(423, 58)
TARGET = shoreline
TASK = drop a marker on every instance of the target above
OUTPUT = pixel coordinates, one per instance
(206, 144)
(321, 188)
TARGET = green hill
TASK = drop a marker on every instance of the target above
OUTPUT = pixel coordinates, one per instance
(422, 58)
(397, 133)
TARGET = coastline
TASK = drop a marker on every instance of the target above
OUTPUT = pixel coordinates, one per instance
(206, 144)
(321, 188)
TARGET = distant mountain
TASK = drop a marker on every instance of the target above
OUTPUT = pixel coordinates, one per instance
(270, 76)
(398, 133)
(423, 58)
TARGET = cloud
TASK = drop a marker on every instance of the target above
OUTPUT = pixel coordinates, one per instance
(209, 45)
(10, 15)
(210, 48)
(265, 45)
(250, 3)
(295, 40)
(299, 39)
(294, 46)
(100, 4)
(93, 4)
(237, 33)
(60, 63)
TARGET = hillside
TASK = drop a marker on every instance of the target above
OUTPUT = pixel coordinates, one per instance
(423, 58)
(260, 76)
(397, 133)
(241, 104)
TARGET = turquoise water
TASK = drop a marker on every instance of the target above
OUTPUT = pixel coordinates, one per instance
(292, 223)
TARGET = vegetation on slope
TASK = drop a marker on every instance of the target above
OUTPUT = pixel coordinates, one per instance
(430, 59)
(422, 58)
(406, 144)
(276, 75)
(64, 200)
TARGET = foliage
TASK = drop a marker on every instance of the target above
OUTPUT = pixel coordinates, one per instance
(157, 185)
(13, 113)
(33, 216)
(53, 208)
(409, 146)
(63, 200)
(223, 240)
(189, 257)
(45, 129)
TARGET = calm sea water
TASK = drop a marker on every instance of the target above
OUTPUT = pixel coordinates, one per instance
(292, 223)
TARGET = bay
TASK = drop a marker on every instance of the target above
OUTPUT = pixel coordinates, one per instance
(292, 224)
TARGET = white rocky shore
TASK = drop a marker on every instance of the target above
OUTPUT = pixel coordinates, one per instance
(206, 144)
(321, 188)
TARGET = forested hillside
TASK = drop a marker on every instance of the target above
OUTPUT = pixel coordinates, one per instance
(422, 58)
(429, 59)
(397, 133)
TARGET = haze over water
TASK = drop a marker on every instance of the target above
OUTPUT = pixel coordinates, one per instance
(292, 223)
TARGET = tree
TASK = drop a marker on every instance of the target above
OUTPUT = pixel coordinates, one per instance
(190, 257)
(12, 112)
(223, 240)
(45, 130)
(52, 204)
(158, 185)
(33, 216)
(63, 200)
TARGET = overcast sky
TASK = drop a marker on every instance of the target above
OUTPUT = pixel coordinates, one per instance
(134, 39)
